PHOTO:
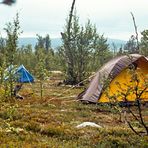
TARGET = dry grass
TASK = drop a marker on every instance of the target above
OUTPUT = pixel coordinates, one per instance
(52, 121)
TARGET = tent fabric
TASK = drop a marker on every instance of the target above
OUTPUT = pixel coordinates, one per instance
(23, 76)
(108, 73)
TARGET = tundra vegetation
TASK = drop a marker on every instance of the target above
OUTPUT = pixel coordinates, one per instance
(49, 118)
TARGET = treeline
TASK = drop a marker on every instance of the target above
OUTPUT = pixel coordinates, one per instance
(87, 51)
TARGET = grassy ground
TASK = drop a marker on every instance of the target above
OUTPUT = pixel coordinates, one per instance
(51, 121)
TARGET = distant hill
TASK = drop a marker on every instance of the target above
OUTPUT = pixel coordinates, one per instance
(118, 43)
(55, 42)
(27, 40)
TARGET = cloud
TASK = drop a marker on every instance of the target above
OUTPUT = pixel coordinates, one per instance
(112, 17)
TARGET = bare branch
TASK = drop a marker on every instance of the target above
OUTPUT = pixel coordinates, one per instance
(133, 115)
(70, 19)
(141, 118)
(136, 31)
(129, 124)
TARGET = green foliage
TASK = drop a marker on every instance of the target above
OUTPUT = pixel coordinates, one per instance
(101, 52)
(33, 126)
(144, 42)
(41, 72)
(10, 113)
(119, 137)
(25, 55)
(131, 45)
(9, 80)
(2, 71)
(52, 121)
(13, 32)
(47, 52)
(2, 51)
(77, 52)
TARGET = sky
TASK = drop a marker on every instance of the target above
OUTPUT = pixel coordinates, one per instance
(111, 17)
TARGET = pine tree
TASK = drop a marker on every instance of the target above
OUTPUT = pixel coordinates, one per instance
(13, 32)
(84, 41)
(144, 43)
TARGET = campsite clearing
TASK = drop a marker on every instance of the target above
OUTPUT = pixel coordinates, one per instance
(52, 121)
(120, 79)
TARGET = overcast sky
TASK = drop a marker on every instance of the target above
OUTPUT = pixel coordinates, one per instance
(112, 17)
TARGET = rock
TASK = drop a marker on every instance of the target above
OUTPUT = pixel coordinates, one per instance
(91, 124)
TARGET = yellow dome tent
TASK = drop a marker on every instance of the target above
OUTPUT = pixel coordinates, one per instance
(123, 78)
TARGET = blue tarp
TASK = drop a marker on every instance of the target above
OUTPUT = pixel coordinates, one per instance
(23, 76)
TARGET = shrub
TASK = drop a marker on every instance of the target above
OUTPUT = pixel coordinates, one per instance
(33, 126)
(10, 113)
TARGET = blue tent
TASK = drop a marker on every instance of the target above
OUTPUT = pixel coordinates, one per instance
(23, 76)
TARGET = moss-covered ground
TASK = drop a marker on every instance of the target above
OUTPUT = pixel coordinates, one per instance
(51, 121)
